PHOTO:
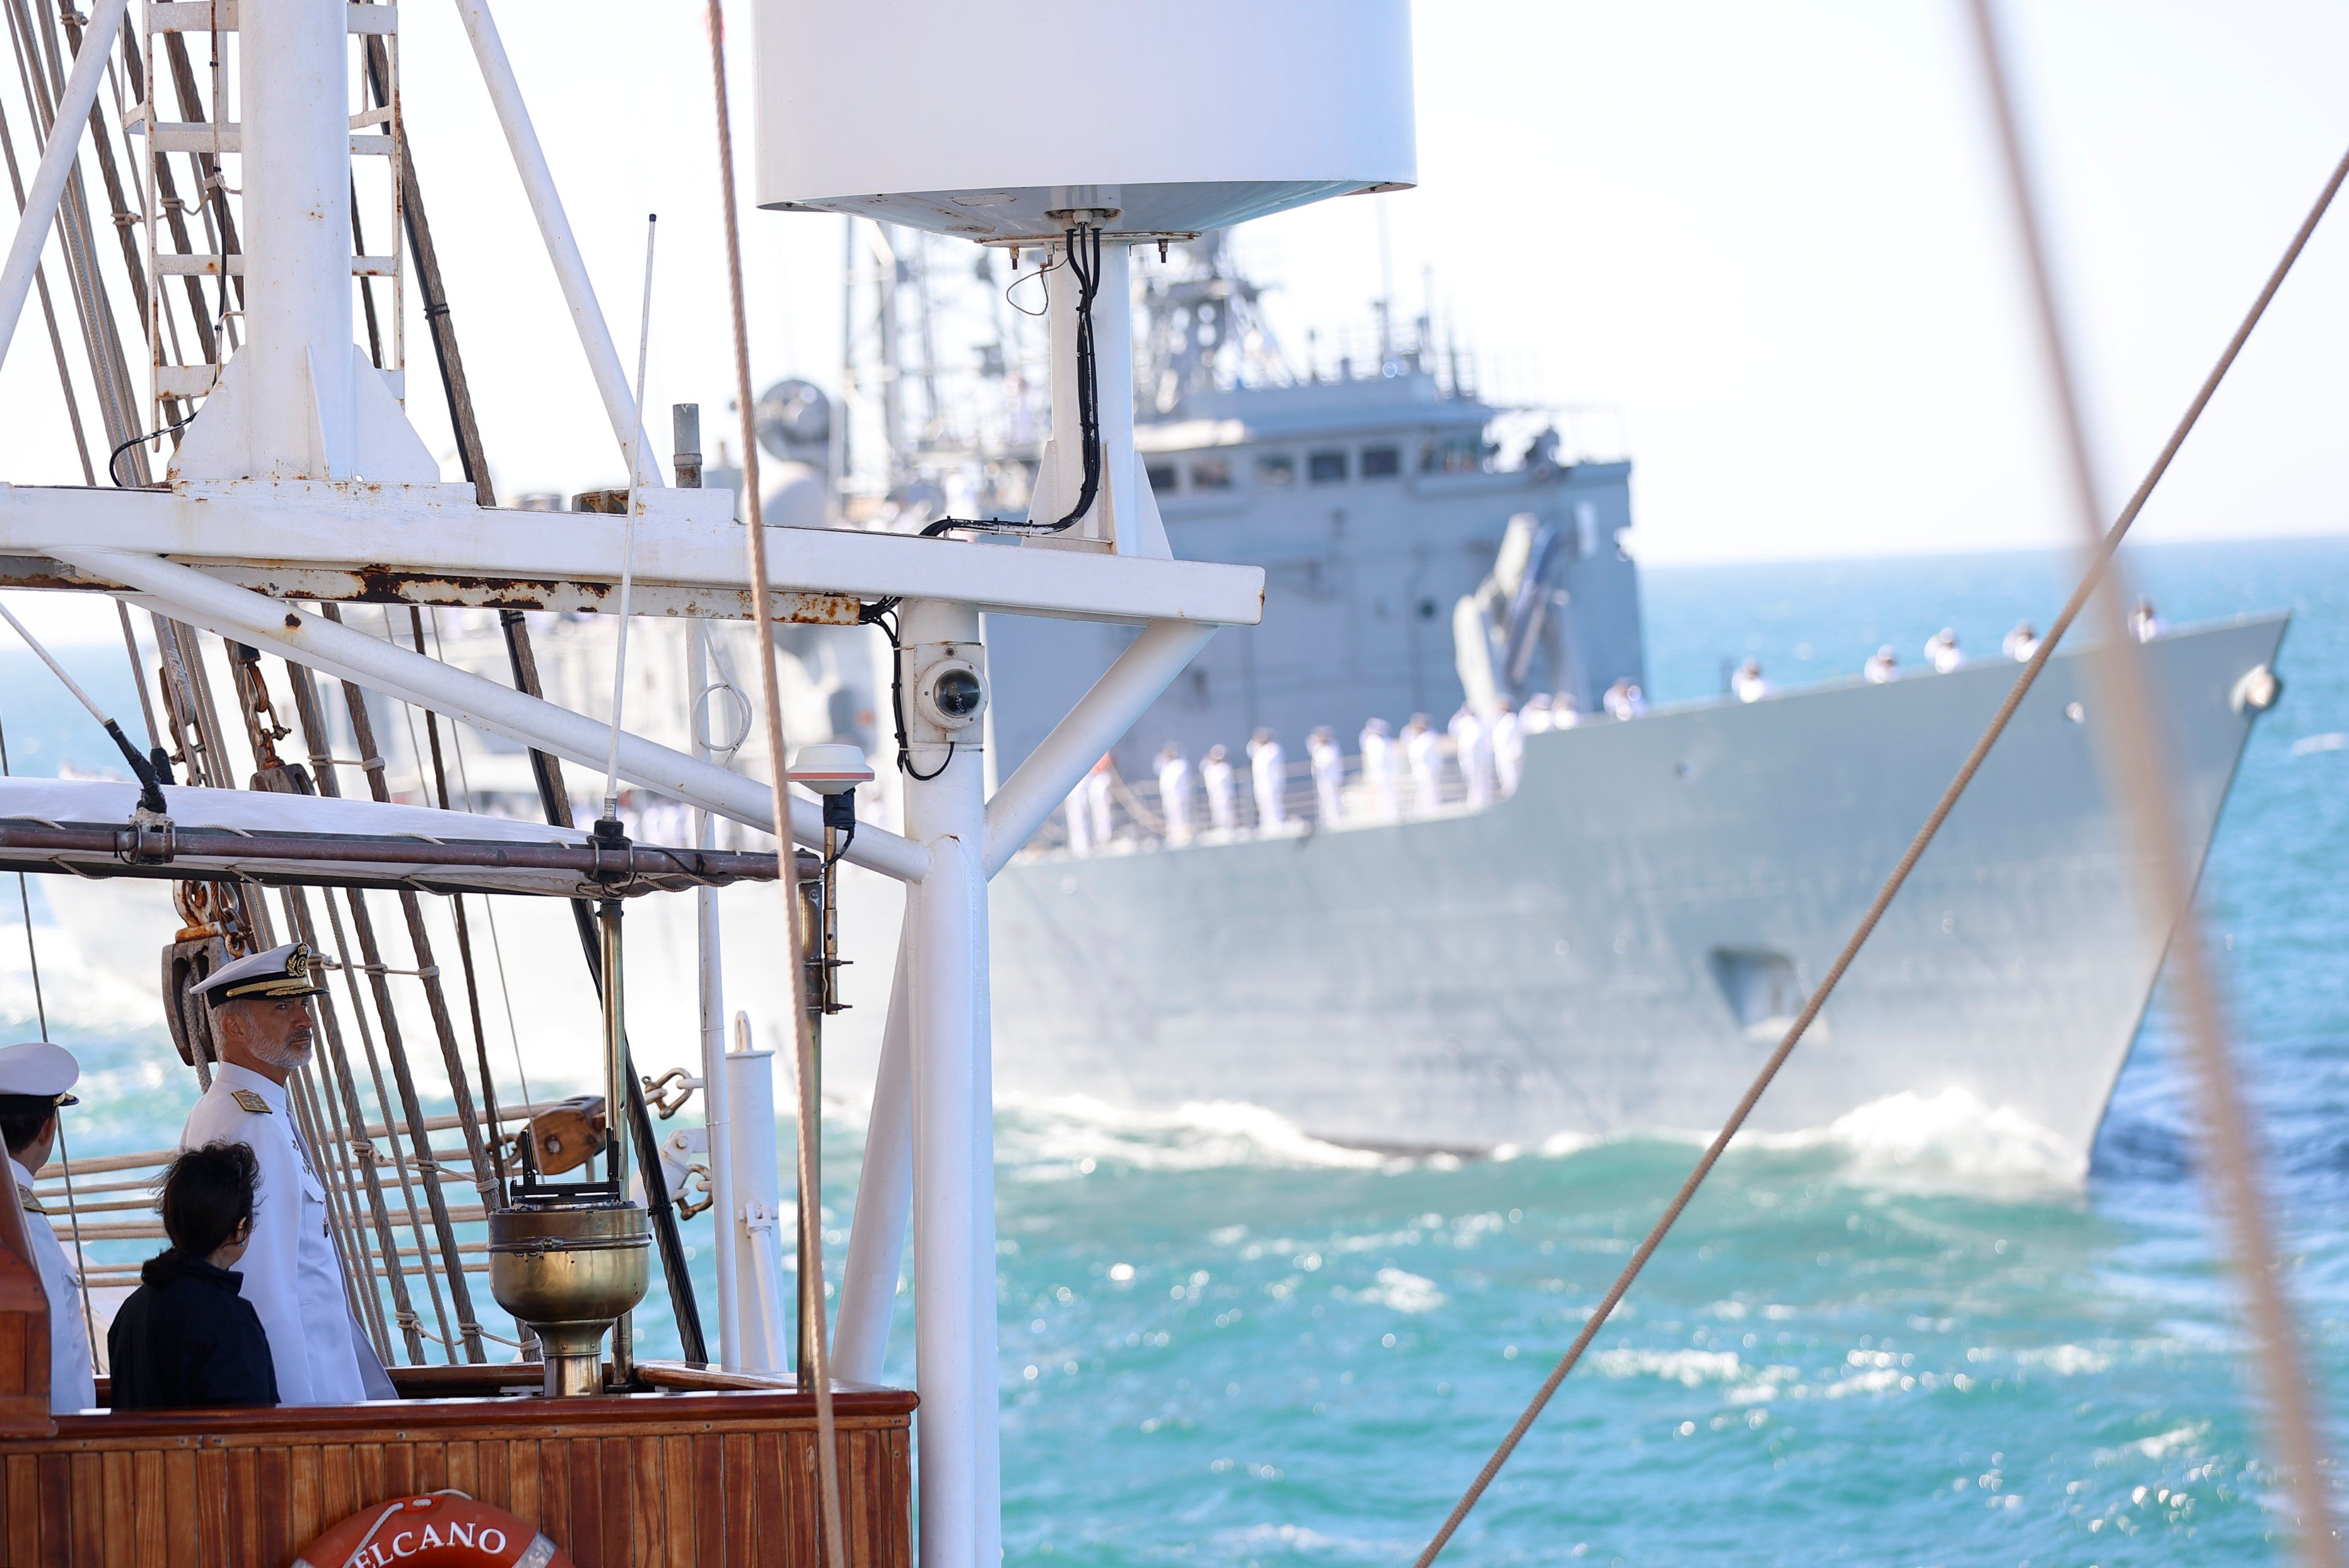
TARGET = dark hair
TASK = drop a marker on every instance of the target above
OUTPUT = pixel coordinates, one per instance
(21, 1117)
(208, 1192)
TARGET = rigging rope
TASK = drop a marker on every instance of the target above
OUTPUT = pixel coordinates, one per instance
(761, 618)
(2100, 558)
(2136, 755)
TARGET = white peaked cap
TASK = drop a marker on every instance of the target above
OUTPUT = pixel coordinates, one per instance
(281, 972)
(38, 1070)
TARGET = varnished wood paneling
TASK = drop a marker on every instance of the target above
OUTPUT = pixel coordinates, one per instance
(20, 1493)
(699, 1479)
(704, 1458)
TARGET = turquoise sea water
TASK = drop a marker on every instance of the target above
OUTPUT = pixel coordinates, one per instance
(1224, 1344)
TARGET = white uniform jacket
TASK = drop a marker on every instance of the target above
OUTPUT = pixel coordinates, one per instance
(292, 1276)
(72, 1386)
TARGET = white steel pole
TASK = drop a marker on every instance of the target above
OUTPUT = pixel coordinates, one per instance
(57, 164)
(294, 107)
(716, 1099)
(954, 1211)
(884, 1197)
(340, 650)
(562, 249)
(755, 1229)
(1097, 721)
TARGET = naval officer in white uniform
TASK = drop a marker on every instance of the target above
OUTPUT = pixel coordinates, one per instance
(261, 1018)
(34, 1079)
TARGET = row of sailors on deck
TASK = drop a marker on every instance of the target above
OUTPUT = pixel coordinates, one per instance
(1942, 652)
(247, 1304)
(1408, 772)
(1412, 770)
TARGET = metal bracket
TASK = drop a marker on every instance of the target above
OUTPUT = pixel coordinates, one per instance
(150, 840)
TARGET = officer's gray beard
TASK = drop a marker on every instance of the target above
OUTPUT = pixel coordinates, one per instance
(287, 1055)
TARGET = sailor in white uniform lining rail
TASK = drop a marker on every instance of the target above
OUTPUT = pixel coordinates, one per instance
(1883, 665)
(1329, 765)
(1379, 772)
(1175, 793)
(1268, 773)
(1423, 750)
(1472, 747)
(1097, 787)
(261, 1018)
(1942, 651)
(34, 1081)
(1216, 778)
(1747, 684)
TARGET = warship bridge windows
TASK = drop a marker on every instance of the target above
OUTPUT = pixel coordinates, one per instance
(1165, 478)
(1325, 468)
(1278, 468)
(1211, 474)
(1381, 462)
(1452, 454)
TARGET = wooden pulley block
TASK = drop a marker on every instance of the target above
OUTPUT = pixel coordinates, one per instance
(569, 1134)
(188, 962)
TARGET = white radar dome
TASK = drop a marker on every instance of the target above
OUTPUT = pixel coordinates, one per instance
(984, 120)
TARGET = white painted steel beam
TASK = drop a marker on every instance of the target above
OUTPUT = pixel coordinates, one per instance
(412, 542)
(228, 611)
(57, 164)
(554, 226)
(954, 1132)
(885, 1196)
(1097, 721)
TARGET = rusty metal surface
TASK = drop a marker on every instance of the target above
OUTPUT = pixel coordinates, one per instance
(371, 583)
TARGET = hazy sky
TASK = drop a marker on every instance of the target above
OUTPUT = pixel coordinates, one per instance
(1763, 232)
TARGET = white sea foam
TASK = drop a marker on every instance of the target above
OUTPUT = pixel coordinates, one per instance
(1687, 1367)
(1399, 1290)
(1044, 1139)
(1950, 1140)
(2309, 744)
(2064, 1360)
(2160, 1445)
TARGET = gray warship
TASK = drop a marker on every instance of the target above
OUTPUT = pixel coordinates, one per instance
(1613, 944)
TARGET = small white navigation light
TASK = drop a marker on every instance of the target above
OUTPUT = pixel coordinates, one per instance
(831, 768)
(952, 694)
(2257, 691)
(1160, 121)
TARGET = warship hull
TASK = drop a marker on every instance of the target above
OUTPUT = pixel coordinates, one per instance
(1613, 948)
(1619, 944)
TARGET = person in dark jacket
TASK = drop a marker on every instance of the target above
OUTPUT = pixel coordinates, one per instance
(187, 1336)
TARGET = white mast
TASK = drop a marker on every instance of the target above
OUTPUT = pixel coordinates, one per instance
(298, 401)
(1085, 129)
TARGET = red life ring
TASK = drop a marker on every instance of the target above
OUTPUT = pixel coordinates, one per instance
(438, 1530)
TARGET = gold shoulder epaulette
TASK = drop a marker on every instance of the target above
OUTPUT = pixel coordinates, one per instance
(32, 1205)
(250, 1101)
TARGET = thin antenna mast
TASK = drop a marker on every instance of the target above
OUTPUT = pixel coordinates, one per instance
(635, 451)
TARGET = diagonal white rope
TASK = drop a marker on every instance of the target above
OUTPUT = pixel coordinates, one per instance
(836, 1543)
(2135, 761)
(2100, 558)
